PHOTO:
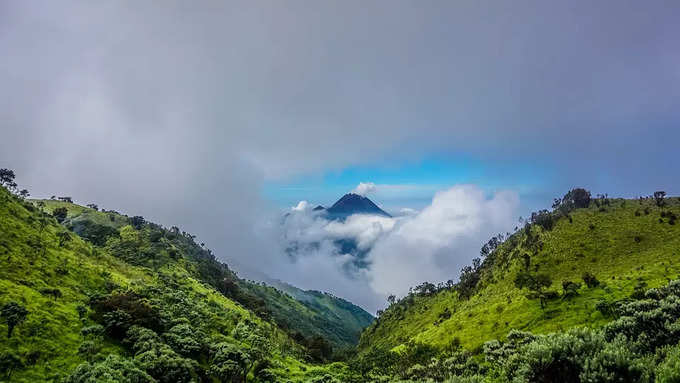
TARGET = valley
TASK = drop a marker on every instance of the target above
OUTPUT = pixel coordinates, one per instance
(92, 295)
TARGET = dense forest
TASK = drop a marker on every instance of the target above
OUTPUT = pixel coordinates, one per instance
(585, 292)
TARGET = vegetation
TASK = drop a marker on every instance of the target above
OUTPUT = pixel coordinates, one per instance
(131, 301)
(582, 293)
(617, 254)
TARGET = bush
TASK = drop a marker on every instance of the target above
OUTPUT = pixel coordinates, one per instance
(590, 280)
(544, 219)
(113, 369)
(120, 311)
(668, 370)
(60, 214)
(9, 362)
(570, 289)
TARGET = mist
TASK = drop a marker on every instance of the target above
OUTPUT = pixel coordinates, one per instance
(182, 113)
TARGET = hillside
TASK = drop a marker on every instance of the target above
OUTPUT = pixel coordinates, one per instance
(312, 313)
(625, 244)
(133, 303)
(579, 294)
(333, 319)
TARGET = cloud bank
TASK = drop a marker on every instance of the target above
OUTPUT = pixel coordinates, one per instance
(181, 112)
(364, 188)
(393, 254)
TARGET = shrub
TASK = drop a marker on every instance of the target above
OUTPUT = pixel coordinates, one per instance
(120, 311)
(590, 280)
(13, 314)
(9, 362)
(60, 214)
(544, 219)
(668, 370)
(113, 369)
(570, 289)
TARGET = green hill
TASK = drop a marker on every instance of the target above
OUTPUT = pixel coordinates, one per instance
(104, 297)
(308, 313)
(304, 314)
(578, 294)
(624, 243)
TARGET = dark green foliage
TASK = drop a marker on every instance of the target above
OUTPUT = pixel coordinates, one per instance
(7, 179)
(659, 198)
(319, 349)
(54, 293)
(469, 278)
(590, 280)
(184, 339)
(536, 284)
(64, 237)
(607, 308)
(121, 310)
(13, 314)
(93, 232)
(113, 369)
(577, 198)
(9, 362)
(376, 361)
(60, 214)
(137, 221)
(229, 363)
(570, 289)
(544, 219)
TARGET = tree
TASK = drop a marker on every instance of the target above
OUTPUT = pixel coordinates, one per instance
(391, 299)
(544, 219)
(228, 363)
(184, 338)
(13, 314)
(93, 206)
(167, 366)
(24, 193)
(659, 198)
(578, 198)
(65, 199)
(570, 289)
(137, 221)
(82, 311)
(64, 236)
(112, 369)
(60, 214)
(7, 179)
(9, 362)
(590, 279)
(535, 283)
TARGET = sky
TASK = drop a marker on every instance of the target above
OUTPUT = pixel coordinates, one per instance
(218, 116)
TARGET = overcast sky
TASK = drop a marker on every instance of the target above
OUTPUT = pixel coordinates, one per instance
(212, 115)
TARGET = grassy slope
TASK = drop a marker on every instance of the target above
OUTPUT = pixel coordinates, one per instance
(609, 251)
(310, 313)
(52, 328)
(313, 312)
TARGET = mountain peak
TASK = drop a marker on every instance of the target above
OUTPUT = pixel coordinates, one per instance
(352, 203)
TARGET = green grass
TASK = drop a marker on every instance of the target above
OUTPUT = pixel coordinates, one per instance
(608, 250)
(310, 313)
(31, 259)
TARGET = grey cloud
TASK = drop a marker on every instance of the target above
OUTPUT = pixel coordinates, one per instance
(180, 112)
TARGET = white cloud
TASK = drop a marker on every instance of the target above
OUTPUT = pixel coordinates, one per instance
(441, 239)
(301, 206)
(402, 251)
(407, 211)
(364, 188)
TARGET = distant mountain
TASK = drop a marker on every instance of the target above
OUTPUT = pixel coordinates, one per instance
(354, 204)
